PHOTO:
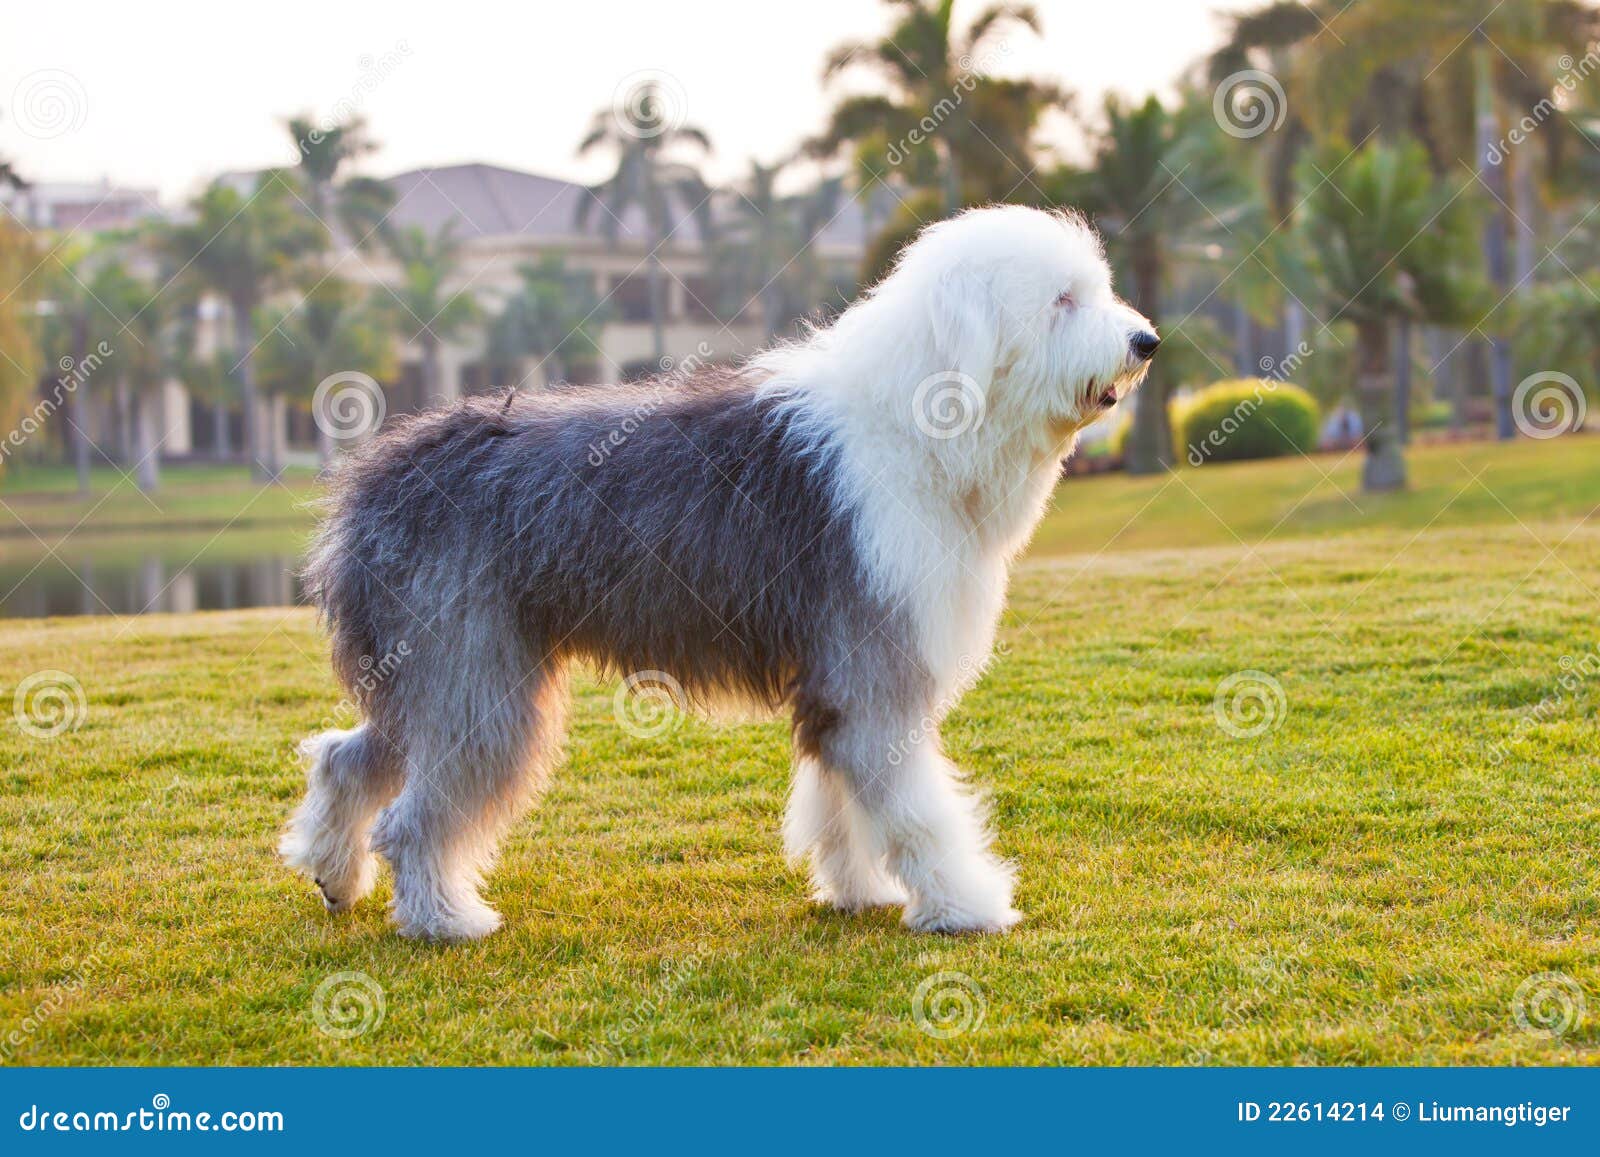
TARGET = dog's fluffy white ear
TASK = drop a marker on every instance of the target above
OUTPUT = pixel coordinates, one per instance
(966, 332)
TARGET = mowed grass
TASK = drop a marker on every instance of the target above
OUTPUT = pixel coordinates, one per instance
(1370, 879)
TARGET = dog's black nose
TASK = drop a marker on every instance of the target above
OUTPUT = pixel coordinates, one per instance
(1144, 345)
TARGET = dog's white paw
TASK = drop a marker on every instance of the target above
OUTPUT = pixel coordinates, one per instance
(923, 917)
(452, 925)
(878, 893)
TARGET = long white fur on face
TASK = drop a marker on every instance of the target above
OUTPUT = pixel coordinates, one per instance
(941, 518)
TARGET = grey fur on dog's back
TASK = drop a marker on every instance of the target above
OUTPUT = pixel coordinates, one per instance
(680, 526)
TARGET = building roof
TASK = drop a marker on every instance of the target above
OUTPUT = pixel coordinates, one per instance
(490, 201)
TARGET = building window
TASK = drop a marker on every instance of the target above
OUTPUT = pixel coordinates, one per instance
(630, 297)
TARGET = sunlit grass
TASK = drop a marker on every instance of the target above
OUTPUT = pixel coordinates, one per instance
(1368, 881)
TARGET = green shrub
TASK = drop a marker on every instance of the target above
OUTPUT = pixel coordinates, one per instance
(1434, 416)
(1246, 418)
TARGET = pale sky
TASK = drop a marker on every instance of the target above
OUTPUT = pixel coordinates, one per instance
(166, 95)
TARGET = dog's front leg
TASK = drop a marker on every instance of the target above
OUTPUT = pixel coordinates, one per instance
(931, 834)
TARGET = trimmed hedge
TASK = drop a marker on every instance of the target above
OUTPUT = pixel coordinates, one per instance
(1245, 418)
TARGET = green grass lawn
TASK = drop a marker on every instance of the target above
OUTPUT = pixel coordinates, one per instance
(43, 502)
(1370, 879)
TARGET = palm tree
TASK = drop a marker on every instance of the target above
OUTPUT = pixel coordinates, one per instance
(422, 308)
(766, 247)
(334, 328)
(1440, 71)
(1388, 241)
(17, 371)
(361, 204)
(642, 134)
(66, 312)
(1157, 184)
(244, 248)
(942, 121)
(136, 315)
(554, 315)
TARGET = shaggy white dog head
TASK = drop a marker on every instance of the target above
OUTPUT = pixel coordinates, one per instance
(995, 338)
(1020, 306)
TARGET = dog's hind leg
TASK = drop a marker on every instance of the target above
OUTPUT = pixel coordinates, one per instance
(352, 775)
(470, 773)
(822, 821)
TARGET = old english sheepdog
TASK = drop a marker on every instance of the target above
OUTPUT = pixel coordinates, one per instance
(826, 529)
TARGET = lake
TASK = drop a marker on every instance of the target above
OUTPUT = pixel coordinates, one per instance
(131, 572)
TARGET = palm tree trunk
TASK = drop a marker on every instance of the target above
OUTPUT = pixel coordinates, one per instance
(1494, 232)
(432, 371)
(1150, 439)
(219, 430)
(75, 408)
(658, 312)
(244, 340)
(1402, 381)
(122, 441)
(1385, 467)
(146, 470)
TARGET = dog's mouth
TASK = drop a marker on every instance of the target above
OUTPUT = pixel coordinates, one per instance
(1103, 397)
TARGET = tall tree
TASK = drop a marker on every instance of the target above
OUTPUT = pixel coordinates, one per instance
(359, 204)
(136, 314)
(245, 248)
(766, 249)
(423, 307)
(336, 327)
(19, 366)
(1389, 241)
(554, 315)
(1156, 184)
(942, 121)
(643, 134)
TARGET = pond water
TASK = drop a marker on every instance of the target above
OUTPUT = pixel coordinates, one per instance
(129, 573)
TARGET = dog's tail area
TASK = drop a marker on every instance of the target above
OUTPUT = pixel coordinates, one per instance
(352, 775)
